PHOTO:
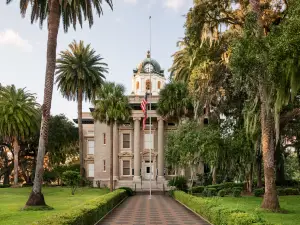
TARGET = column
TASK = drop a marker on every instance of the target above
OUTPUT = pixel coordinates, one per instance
(136, 147)
(161, 156)
(116, 152)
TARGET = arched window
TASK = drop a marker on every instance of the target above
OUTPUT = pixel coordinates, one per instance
(137, 85)
(158, 85)
(148, 85)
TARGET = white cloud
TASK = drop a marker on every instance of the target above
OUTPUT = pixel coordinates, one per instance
(130, 1)
(151, 3)
(10, 37)
(176, 5)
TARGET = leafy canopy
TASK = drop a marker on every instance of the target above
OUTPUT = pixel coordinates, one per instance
(19, 112)
(80, 68)
(111, 104)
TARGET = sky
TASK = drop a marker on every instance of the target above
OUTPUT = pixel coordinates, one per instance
(120, 36)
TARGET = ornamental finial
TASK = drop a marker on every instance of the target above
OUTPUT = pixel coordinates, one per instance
(148, 54)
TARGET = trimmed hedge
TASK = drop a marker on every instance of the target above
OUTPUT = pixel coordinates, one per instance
(5, 185)
(128, 190)
(280, 191)
(198, 189)
(259, 192)
(221, 193)
(88, 213)
(215, 213)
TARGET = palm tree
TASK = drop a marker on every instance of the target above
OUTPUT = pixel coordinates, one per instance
(19, 113)
(54, 10)
(174, 101)
(80, 73)
(111, 107)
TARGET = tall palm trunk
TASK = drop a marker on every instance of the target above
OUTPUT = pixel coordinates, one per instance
(36, 197)
(270, 200)
(80, 130)
(111, 156)
(16, 160)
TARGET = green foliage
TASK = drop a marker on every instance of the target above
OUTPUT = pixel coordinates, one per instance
(49, 176)
(174, 101)
(62, 140)
(280, 191)
(72, 12)
(217, 214)
(111, 104)
(259, 192)
(198, 189)
(5, 185)
(87, 213)
(291, 191)
(72, 179)
(128, 190)
(211, 192)
(221, 193)
(236, 192)
(179, 182)
(19, 112)
(80, 68)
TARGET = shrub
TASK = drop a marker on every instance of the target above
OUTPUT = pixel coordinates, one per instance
(227, 191)
(179, 182)
(259, 192)
(198, 189)
(216, 213)
(237, 192)
(291, 191)
(221, 193)
(128, 190)
(218, 187)
(281, 191)
(72, 179)
(88, 213)
(27, 185)
(211, 192)
(4, 185)
(50, 176)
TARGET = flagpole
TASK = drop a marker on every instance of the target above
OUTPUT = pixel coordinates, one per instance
(150, 119)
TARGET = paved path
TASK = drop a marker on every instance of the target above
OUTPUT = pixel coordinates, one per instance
(159, 210)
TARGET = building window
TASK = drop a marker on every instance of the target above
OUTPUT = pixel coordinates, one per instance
(91, 170)
(148, 85)
(158, 85)
(104, 138)
(91, 146)
(126, 167)
(171, 171)
(104, 166)
(126, 140)
(137, 85)
(148, 141)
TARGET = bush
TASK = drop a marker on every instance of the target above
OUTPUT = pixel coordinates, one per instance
(291, 191)
(281, 191)
(179, 182)
(72, 179)
(227, 191)
(237, 192)
(50, 176)
(211, 192)
(221, 193)
(128, 190)
(27, 185)
(88, 213)
(216, 213)
(4, 185)
(259, 192)
(198, 189)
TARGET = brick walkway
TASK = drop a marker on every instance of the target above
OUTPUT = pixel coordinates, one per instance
(159, 210)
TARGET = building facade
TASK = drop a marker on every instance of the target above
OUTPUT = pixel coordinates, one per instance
(133, 166)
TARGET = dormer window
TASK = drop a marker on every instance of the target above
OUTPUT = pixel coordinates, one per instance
(137, 85)
(148, 85)
(158, 84)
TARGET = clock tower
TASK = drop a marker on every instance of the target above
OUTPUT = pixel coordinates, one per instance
(148, 75)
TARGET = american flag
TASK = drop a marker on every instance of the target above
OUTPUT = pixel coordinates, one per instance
(144, 104)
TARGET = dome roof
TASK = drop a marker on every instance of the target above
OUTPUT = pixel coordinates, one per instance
(156, 67)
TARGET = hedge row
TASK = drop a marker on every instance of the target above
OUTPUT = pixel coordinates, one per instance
(88, 213)
(5, 185)
(216, 213)
(218, 187)
(280, 191)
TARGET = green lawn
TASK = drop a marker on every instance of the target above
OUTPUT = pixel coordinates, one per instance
(13, 199)
(290, 204)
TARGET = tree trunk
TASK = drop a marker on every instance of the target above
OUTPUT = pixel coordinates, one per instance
(259, 172)
(36, 197)
(111, 157)
(16, 160)
(80, 130)
(250, 179)
(279, 163)
(214, 175)
(270, 200)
